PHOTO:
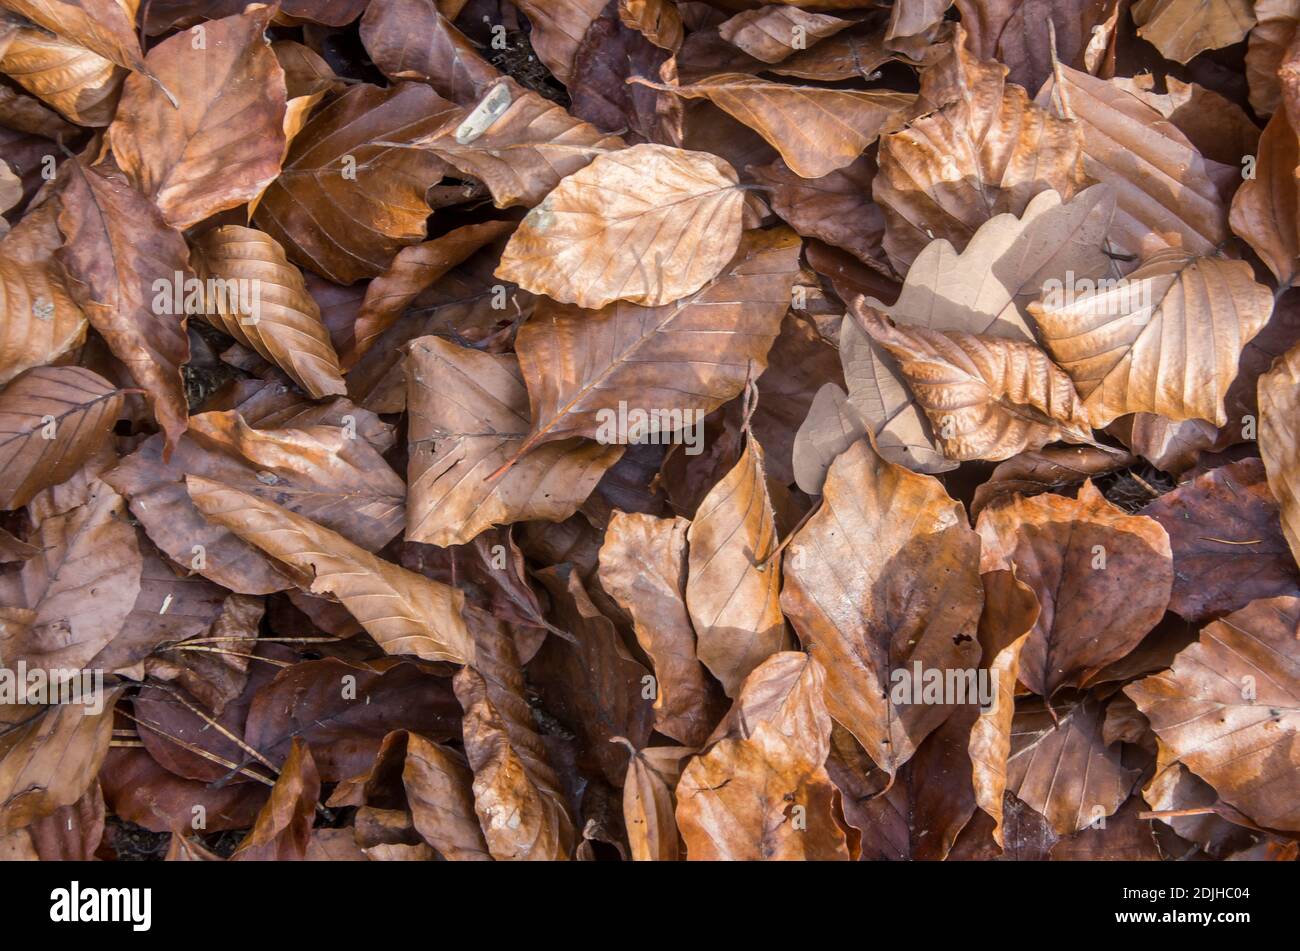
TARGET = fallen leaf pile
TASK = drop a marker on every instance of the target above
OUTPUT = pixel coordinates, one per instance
(649, 429)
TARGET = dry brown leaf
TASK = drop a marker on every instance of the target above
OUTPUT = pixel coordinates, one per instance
(1182, 28)
(52, 419)
(443, 57)
(404, 612)
(83, 86)
(105, 27)
(883, 578)
(1226, 709)
(657, 20)
(469, 415)
(412, 271)
(439, 789)
(649, 806)
(50, 756)
(733, 581)
(764, 795)
(1102, 578)
(529, 146)
(649, 224)
(1168, 195)
(282, 830)
(690, 356)
(643, 567)
(558, 29)
(772, 33)
(517, 795)
(1266, 51)
(117, 248)
(816, 129)
(345, 204)
(1266, 209)
(275, 316)
(1062, 768)
(1166, 340)
(223, 144)
(986, 397)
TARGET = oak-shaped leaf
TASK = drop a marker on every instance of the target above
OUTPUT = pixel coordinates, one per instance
(986, 149)
(1102, 577)
(883, 578)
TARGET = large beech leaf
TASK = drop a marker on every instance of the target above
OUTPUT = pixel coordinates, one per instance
(404, 612)
(1227, 541)
(318, 471)
(469, 414)
(1227, 709)
(52, 419)
(1279, 440)
(1167, 340)
(82, 586)
(643, 567)
(221, 145)
(1167, 193)
(744, 798)
(1062, 767)
(986, 397)
(882, 578)
(1102, 578)
(986, 150)
(649, 224)
(693, 354)
(345, 204)
(817, 129)
(773, 33)
(117, 246)
(284, 325)
(50, 756)
(517, 795)
(733, 580)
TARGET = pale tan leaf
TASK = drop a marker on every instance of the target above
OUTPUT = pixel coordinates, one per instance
(733, 583)
(649, 224)
(1166, 340)
(83, 86)
(771, 33)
